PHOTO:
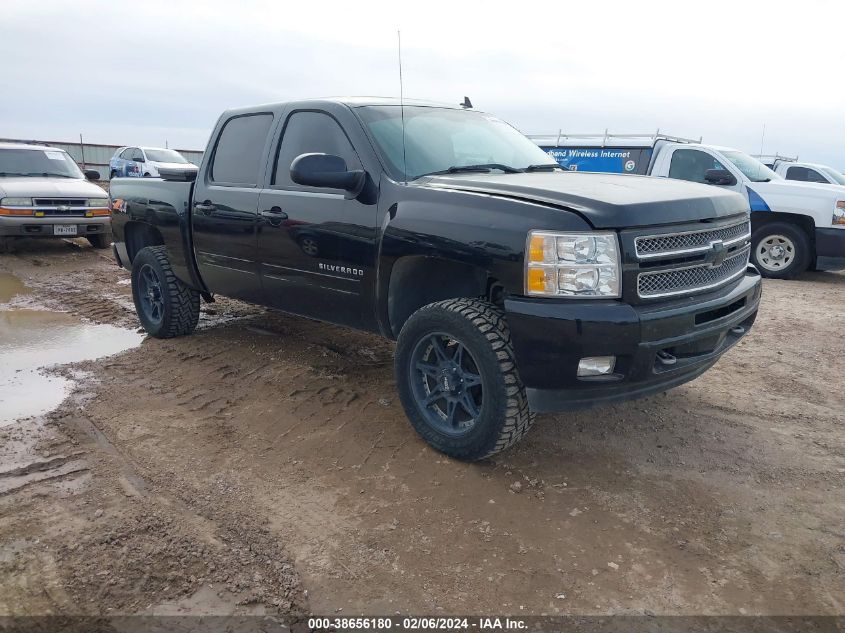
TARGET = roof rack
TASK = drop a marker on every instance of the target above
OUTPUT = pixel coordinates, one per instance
(773, 157)
(606, 136)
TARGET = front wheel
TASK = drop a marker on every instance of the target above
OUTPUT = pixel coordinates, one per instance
(458, 381)
(99, 240)
(166, 307)
(780, 250)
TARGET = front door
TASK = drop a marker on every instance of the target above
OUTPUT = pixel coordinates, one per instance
(316, 248)
(225, 212)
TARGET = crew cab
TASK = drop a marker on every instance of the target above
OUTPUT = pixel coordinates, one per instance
(794, 223)
(43, 193)
(145, 162)
(510, 285)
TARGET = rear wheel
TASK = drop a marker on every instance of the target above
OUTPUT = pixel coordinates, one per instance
(166, 307)
(458, 380)
(780, 250)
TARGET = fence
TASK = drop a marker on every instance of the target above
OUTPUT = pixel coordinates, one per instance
(96, 155)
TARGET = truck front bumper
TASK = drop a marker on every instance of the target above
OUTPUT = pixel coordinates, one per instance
(45, 227)
(656, 346)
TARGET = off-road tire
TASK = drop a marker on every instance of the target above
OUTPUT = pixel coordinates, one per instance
(481, 327)
(802, 257)
(6, 245)
(181, 303)
(99, 240)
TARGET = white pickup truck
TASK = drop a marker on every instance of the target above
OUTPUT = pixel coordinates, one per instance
(793, 169)
(793, 223)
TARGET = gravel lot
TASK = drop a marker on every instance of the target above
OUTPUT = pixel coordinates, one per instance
(264, 465)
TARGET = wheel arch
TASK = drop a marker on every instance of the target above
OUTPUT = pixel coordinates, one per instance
(418, 280)
(138, 235)
(804, 222)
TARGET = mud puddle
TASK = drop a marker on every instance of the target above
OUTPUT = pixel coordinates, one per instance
(10, 286)
(31, 340)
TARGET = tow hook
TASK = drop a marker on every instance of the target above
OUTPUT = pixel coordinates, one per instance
(666, 358)
(739, 330)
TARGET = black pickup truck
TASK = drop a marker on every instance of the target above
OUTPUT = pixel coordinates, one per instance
(511, 286)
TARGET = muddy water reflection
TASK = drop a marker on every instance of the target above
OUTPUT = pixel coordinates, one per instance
(33, 339)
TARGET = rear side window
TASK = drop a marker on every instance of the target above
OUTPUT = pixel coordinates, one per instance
(804, 174)
(127, 153)
(237, 158)
(310, 132)
(692, 165)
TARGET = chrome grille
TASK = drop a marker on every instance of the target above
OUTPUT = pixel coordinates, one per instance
(59, 202)
(691, 241)
(689, 279)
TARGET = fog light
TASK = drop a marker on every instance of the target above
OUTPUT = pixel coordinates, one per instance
(596, 365)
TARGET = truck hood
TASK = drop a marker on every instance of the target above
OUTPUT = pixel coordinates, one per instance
(809, 190)
(604, 200)
(28, 187)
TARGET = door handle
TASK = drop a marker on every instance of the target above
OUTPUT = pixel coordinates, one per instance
(274, 213)
(205, 208)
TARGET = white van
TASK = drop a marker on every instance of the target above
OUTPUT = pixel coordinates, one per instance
(793, 223)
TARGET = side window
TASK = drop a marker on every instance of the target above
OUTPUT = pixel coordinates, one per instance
(137, 154)
(692, 165)
(237, 157)
(127, 153)
(308, 132)
(814, 176)
(797, 173)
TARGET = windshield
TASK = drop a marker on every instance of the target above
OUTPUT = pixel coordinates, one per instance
(164, 156)
(37, 162)
(752, 168)
(834, 175)
(437, 139)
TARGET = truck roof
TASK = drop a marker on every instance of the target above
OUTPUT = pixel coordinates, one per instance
(28, 146)
(355, 102)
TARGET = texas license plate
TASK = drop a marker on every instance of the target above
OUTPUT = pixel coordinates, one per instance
(64, 229)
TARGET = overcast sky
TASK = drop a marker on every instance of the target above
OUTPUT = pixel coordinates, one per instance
(142, 72)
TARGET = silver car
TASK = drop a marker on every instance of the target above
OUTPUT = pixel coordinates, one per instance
(43, 193)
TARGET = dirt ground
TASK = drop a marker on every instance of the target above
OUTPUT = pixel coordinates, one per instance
(264, 465)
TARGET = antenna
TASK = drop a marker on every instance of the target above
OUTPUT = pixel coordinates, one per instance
(402, 110)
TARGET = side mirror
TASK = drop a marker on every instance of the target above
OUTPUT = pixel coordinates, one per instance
(327, 170)
(92, 174)
(719, 177)
(140, 159)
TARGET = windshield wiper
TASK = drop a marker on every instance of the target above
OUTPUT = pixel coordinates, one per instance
(11, 173)
(486, 167)
(543, 167)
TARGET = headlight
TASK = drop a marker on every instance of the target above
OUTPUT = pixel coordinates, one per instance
(16, 202)
(97, 202)
(839, 212)
(572, 265)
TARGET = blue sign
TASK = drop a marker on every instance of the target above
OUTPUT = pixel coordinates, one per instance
(612, 160)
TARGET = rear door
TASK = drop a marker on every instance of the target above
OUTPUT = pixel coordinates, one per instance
(225, 205)
(317, 249)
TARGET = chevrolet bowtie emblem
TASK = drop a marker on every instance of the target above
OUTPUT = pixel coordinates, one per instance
(718, 253)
